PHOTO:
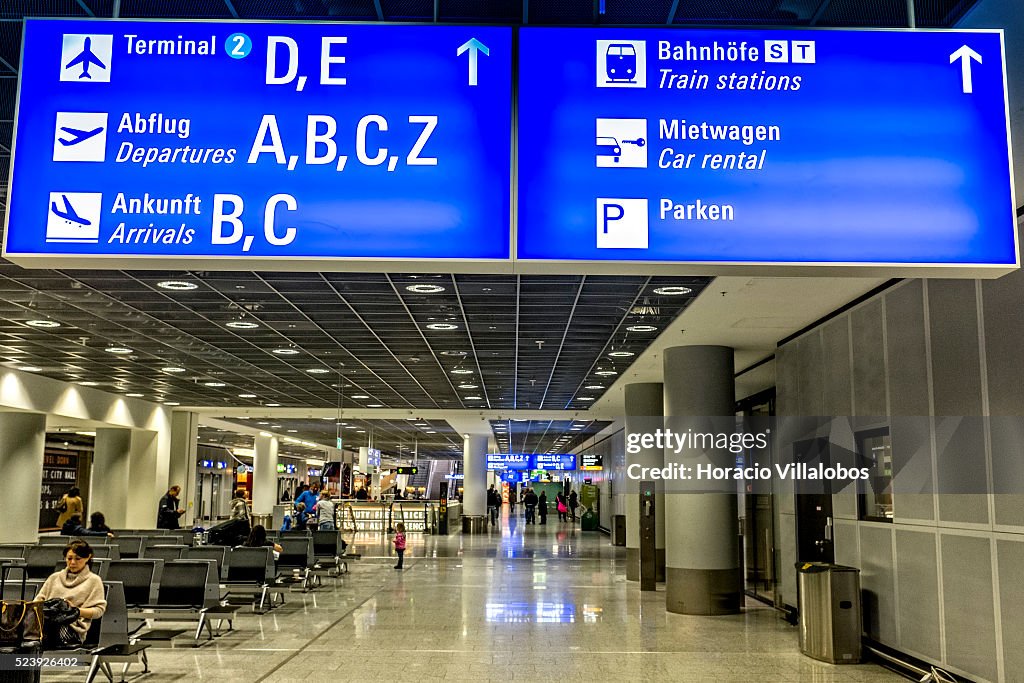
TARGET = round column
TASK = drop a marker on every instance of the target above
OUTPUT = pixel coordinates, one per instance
(701, 551)
(644, 404)
(264, 475)
(22, 441)
(474, 483)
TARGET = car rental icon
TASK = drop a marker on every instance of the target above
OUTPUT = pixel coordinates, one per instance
(620, 63)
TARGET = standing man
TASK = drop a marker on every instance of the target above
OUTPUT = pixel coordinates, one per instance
(310, 497)
(530, 501)
(493, 501)
(542, 506)
(169, 511)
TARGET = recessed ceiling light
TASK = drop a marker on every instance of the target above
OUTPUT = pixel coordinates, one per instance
(360, 431)
(442, 326)
(214, 384)
(172, 369)
(594, 387)
(468, 386)
(425, 289)
(318, 371)
(293, 431)
(474, 398)
(422, 424)
(247, 396)
(462, 371)
(360, 396)
(241, 325)
(121, 350)
(454, 353)
(286, 352)
(606, 373)
(642, 328)
(519, 419)
(621, 354)
(430, 432)
(42, 323)
(672, 290)
(374, 405)
(171, 403)
(586, 398)
(89, 384)
(30, 368)
(177, 285)
(272, 405)
(135, 395)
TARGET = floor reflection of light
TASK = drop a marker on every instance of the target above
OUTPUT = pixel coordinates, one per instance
(592, 614)
(523, 612)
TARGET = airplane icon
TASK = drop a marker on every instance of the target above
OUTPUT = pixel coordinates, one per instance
(78, 135)
(85, 58)
(69, 214)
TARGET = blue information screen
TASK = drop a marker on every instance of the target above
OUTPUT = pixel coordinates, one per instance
(555, 461)
(254, 141)
(764, 147)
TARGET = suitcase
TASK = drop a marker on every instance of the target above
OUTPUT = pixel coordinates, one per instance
(231, 532)
(9, 653)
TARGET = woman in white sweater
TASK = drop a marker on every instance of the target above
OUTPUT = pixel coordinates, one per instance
(80, 588)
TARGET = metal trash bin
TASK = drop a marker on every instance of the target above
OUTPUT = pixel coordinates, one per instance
(619, 530)
(830, 613)
(266, 521)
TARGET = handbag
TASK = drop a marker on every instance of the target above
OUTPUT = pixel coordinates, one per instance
(20, 620)
(59, 612)
(561, 507)
(62, 507)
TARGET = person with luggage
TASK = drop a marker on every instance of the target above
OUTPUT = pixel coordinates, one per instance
(66, 625)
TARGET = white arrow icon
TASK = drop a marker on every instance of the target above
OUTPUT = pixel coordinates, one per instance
(965, 55)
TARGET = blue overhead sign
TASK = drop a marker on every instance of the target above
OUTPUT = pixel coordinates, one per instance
(305, 146)
(754, 148)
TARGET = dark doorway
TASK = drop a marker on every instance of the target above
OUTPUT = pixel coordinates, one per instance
(813, 505)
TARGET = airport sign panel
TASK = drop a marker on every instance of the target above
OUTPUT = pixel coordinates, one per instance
(764, 151)
(261, 145)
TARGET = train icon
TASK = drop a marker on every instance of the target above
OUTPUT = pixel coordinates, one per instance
(620, 63)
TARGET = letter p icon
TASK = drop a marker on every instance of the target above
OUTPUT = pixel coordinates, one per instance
(622, 223)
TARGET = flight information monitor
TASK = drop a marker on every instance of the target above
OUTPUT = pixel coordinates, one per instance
(261, 145)
(778, 149)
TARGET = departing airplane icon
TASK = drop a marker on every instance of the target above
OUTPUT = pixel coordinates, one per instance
(85, 58)
(78, 135)
(69, 214)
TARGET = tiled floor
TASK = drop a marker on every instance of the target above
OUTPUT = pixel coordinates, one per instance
(533, 603)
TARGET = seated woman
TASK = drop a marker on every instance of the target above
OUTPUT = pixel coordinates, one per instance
(73, 527)
(80, 588)
(258, 539)
(97, 522)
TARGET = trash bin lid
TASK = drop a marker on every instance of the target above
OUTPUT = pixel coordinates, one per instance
(817, 567)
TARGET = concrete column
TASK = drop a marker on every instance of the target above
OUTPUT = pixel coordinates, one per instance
(264, 477)
(182, 471)
(22, 441)
(142, 473)
(474, 469)
(643, 416)
(702, 550)
(110, 483)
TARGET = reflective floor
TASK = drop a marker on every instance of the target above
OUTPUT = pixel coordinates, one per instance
(532, 603)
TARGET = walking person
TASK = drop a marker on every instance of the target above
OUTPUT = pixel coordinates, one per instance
(542, 507)
(325, 514)
(512, 500)
(563, 509)
(399, 542)
(493, 501)
(573, 501)
(69, 505)
(169, 510)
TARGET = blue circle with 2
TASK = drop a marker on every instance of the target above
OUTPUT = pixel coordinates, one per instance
(238, 45)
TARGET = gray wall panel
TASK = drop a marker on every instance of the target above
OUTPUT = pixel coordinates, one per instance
(1011, 601)
(969, 612)
(877, 584)
(810, 375)
(868, 360)
(785, 541)
(956, 364)
(962, 472)
(1008, 469)
(1004, 330)
(835, 342)
(918, 581)
(913, 481)
(905, 339)
(846, 546)
(787, 385)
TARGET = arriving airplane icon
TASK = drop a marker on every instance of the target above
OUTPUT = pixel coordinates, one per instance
(78, 135)
(85, 58)
(69, 214)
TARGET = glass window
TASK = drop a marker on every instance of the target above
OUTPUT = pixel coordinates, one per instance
(875, 453)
